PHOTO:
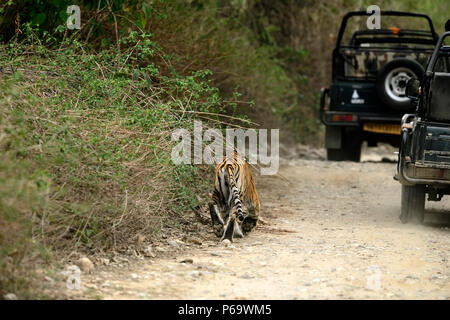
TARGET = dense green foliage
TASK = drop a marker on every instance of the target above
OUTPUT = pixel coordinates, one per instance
(86, 143)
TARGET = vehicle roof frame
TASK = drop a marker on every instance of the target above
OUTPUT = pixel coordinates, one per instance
(434, 56)
(383, 13)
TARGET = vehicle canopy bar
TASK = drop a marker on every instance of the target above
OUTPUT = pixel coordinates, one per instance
(435, 54)
(383, 13)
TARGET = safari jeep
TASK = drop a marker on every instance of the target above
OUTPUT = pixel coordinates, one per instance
(424, 154)
(370, 69)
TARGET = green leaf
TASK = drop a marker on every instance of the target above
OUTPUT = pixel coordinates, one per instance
(39, 19)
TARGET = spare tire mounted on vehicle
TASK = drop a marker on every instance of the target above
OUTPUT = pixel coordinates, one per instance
(392, 79)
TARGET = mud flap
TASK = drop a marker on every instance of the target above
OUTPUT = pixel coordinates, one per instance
(333, 137)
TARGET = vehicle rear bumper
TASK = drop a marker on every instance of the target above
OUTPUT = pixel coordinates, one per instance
(343, 118)
(328, 118)
(416, 173)
(422, 171)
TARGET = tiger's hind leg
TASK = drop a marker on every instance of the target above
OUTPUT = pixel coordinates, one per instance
(229, 228)
(232, 229)
(249, 223)
(216, 220)
(237, 231)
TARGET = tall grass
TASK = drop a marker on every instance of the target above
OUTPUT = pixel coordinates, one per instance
(85, 144)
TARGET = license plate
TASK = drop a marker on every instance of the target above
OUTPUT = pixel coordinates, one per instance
(382, 128)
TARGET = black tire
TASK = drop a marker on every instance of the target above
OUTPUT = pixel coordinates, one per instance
(350, 149)
(413, 204)
(411, 67)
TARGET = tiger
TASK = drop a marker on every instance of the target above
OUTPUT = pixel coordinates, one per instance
(235, 206)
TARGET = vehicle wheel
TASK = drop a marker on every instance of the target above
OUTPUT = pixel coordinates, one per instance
(392, 79)
(350, 150)
(413, 204)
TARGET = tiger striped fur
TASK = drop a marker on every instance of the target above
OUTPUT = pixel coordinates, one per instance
(235, 206)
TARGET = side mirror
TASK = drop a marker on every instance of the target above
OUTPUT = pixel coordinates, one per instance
(413, 88)
(447, 25)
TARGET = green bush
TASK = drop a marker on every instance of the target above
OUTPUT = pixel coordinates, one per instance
(85, 144)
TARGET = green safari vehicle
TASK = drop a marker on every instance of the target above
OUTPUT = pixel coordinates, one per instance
(424, 155)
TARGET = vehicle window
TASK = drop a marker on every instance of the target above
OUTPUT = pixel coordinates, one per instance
(446, 42)
(442, 63)
(357, 27)
(363, 52)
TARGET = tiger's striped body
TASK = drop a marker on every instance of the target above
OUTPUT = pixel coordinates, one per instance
(235, 208)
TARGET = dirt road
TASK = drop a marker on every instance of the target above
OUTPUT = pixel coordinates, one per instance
(332, 232)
